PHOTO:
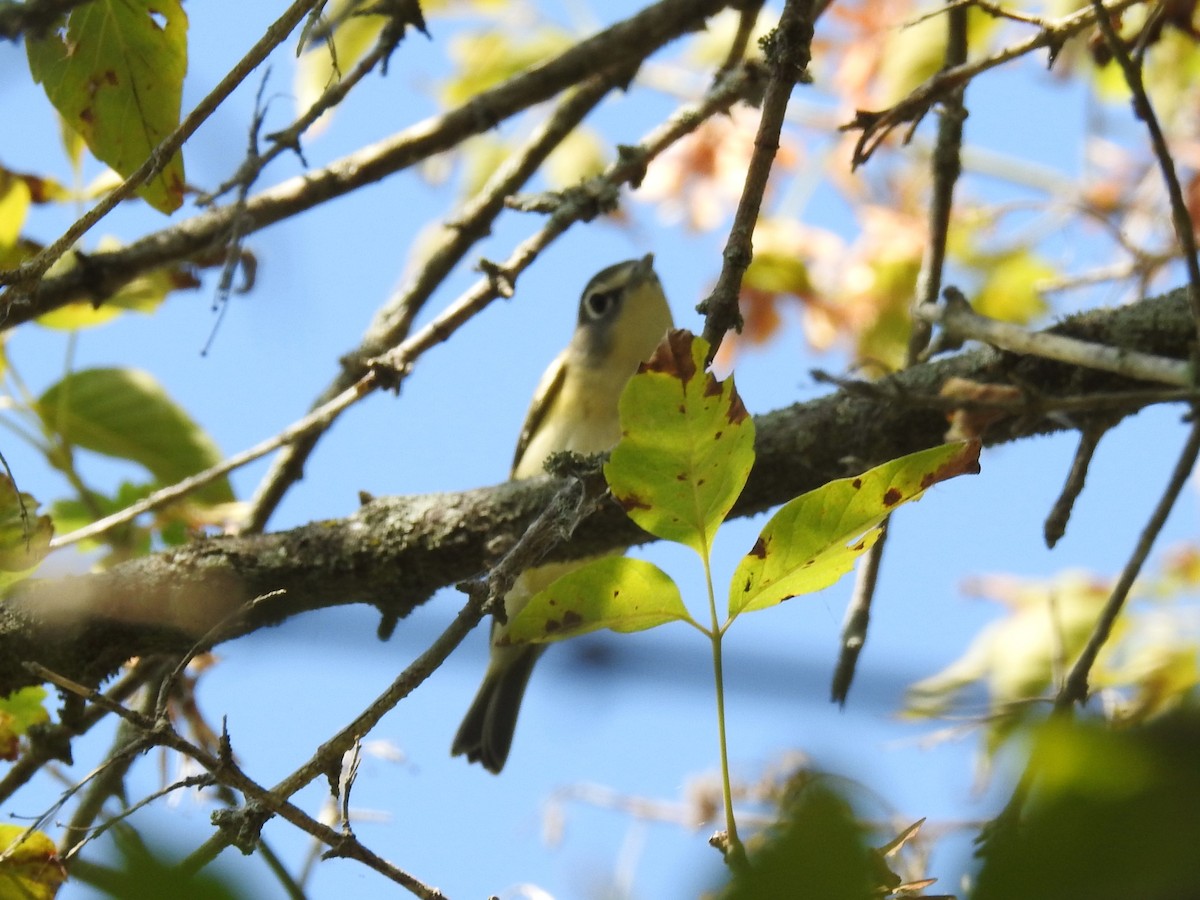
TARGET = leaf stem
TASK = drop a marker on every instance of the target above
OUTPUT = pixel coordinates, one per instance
(735, 853)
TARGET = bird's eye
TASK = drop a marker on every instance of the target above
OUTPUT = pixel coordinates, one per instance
(600, 304)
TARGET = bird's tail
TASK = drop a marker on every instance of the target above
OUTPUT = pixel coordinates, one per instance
(486, 733)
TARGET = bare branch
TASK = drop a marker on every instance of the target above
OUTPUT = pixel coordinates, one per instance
(962, 322)
(787, 62)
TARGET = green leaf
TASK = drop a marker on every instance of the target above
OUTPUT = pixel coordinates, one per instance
(18, 711)
(687, 445)
(615, 592)
(24, 535)
(125, 413)
(813, 541)
(114, 71)
(29, 864)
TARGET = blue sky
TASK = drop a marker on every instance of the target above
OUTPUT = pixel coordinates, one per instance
(631, 713)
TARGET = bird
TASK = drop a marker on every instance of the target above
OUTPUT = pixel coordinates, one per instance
(623, 316)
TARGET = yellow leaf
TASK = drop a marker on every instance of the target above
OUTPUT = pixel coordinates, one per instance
(29, 868)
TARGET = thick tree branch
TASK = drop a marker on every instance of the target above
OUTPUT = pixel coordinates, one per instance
(394, 552)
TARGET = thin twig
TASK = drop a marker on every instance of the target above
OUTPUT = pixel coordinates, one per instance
(1144, 110)
(787, 62)
(549, 528)
(1056, 521)
(747, 19)
(962, 322)
(1075, 688)
(316, 419)
(288, 139)
(876, 126)
(52, 740)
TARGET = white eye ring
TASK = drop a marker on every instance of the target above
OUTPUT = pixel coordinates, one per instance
(601, 303)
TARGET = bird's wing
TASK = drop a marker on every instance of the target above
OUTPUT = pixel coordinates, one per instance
(543, 398)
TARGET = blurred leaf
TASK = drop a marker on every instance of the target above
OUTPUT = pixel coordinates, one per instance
(125, 413)
(73, 145)
(914, 53)
(31, 869)
(480, 155)
(686, 448)
(147, 872)
(24, 535)
(813, 540)
(14, 206)
(615, 592)
(1113, 815)
(819, 851)
(710, 47)
(883, 343)
(777, 273)
(18, 711)
(1017, 657)
(486, 58)
(1011, 286)
(580, 156)
(115, 74)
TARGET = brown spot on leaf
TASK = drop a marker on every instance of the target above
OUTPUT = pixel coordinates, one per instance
(759, 549)
(571, 619)
(737, 410)
(892, 496)
(673, 356)
(631, 502)
(856, 484)
(712, 387)
(965, 463)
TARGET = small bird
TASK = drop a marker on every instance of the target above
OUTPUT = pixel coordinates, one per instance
(623, 315)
